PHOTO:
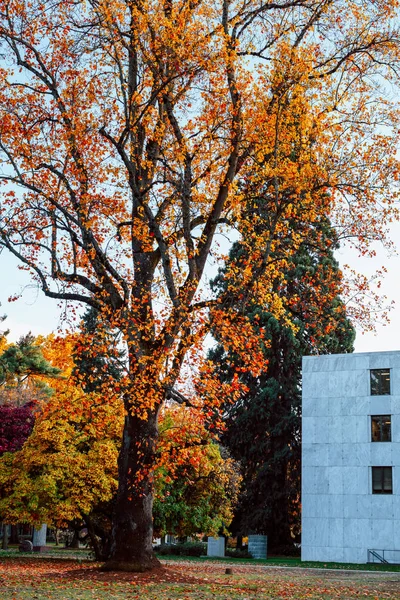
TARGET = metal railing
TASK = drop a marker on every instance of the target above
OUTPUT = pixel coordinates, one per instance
(391, 557)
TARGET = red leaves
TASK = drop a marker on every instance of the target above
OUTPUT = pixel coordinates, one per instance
(16, 423)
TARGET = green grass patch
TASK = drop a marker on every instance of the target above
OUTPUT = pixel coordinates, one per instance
(284, 561)
(84, 555)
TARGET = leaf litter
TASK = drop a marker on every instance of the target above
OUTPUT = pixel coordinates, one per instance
(26, 578)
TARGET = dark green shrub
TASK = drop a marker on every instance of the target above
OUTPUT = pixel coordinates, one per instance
(192, 549)
(164, 549)
(286, 550)
(186, 549)
(237, 553)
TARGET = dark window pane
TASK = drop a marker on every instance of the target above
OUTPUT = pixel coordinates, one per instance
(387, 480)
(380, 382)
(382, 480)
(381, 430)
(376, 480)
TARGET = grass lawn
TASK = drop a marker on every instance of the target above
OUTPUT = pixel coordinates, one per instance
(41, 578)
(285, 561)
(82, 554)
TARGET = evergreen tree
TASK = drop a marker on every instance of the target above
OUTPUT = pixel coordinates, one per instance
(22, 367)
(23, 359)
(98, 361)
(263, 427)
(3, 333)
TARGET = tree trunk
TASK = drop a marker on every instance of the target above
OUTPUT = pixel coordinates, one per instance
(278, 528)
(132, 524)
(75, 539)
(4, 545)
(95, 540)
(14, 537)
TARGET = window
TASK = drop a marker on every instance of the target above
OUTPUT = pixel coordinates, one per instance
(381, 428)
(382, 480)
(380, 382)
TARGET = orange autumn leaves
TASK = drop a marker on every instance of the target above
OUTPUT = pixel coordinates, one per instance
(276, 121)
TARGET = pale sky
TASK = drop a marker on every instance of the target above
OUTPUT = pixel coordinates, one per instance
(40, 315)
(387, 336)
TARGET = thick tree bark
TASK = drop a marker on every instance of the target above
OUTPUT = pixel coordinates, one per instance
(132, 526)
(75, 539)
(4, 545)
(97, 545)
(14, 537)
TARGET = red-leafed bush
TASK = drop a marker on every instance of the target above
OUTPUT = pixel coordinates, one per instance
(16, 424)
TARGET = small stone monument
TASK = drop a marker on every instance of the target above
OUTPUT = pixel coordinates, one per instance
(25, 546)
(39, 538)
(216, 546)
(258, 546)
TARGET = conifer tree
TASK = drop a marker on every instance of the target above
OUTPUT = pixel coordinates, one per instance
(22, 371)
(263, 427)
(98, 361)
(24, 359)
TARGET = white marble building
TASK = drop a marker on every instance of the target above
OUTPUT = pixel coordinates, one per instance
(351, 457)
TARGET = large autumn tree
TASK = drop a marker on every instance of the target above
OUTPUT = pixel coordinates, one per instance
(126, 129)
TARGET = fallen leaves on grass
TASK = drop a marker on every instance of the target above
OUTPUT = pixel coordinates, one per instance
(43, 579)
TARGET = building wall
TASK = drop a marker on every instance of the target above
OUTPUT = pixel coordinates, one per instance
(341, 517)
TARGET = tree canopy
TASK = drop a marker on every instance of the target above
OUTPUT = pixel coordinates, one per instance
(197, 482)
(24, 373)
